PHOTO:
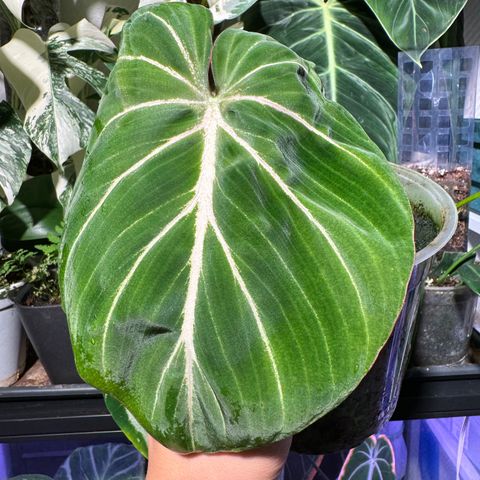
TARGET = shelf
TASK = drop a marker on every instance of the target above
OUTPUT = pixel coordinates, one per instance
(64, 411)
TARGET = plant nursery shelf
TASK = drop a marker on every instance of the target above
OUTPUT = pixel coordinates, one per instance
(62, 411)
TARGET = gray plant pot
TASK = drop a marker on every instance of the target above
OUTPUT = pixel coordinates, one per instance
(444, 326)
(12, 343)
(372, 403)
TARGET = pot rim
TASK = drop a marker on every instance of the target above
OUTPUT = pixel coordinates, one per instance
(417, 185)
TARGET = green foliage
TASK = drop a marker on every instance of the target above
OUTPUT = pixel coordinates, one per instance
(203, 252)
(35, 268)
(13, 267)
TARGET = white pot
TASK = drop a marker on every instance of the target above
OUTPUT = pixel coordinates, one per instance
(12, 343)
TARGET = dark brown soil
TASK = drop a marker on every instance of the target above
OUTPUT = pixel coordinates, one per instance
(425, 228)
(456, 182)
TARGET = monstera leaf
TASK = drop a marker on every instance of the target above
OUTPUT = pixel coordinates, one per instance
(414, 25)
(14, 156)
(340, 37)
(57, 121)
(236, 249)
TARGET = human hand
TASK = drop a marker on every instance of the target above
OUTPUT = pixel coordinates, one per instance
(263, 463)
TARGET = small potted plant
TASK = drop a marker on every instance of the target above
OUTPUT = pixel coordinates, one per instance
(447, 311)
(12, 337)
(38, 304)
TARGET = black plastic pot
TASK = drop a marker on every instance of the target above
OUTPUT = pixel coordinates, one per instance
(372, 403)
(46, 327)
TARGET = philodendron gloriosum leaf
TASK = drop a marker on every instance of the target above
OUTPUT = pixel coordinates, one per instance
(228, 9)
(221, 9)
(129, 424)
(374, 459)
(56, 120)
(413, 25)
(337, 37)
(14, 155)
(235, 255)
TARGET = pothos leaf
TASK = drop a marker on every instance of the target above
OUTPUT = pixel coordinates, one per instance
(15, 151)
(413, 25)
(212, 229)
(341, 38)
(372, 460)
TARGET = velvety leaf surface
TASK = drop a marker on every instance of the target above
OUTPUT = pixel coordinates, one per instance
(413, 25)
(234, 256)
(338, 36)
(111, 461)
(15, 151)
(372, 460)
(228, 9)
(129, 424)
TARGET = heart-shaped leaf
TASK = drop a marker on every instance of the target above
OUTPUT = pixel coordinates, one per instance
(413, 25)
(110, 461)
(341, 39)
(236, 249)
(372, 460)
(14, 155)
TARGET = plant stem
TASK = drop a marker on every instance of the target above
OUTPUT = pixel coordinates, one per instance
(458, 263)
(469, 199)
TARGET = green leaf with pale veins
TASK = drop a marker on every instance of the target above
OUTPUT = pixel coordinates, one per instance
(15, 151)
(235, 255)
(228, 9)
(129, 424)
(340, 38)
(413, 25)
(374, 459)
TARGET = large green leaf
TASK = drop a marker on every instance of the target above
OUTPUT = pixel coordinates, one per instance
(15, 151)
(414, 25)
(340, 37)
(236, 249)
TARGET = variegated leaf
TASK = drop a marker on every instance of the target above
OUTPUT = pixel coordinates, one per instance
(15, 6)
(413, 25)
(82, 36)
(15, 151)
(236, 249)
(341, 39)
(57, 121)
